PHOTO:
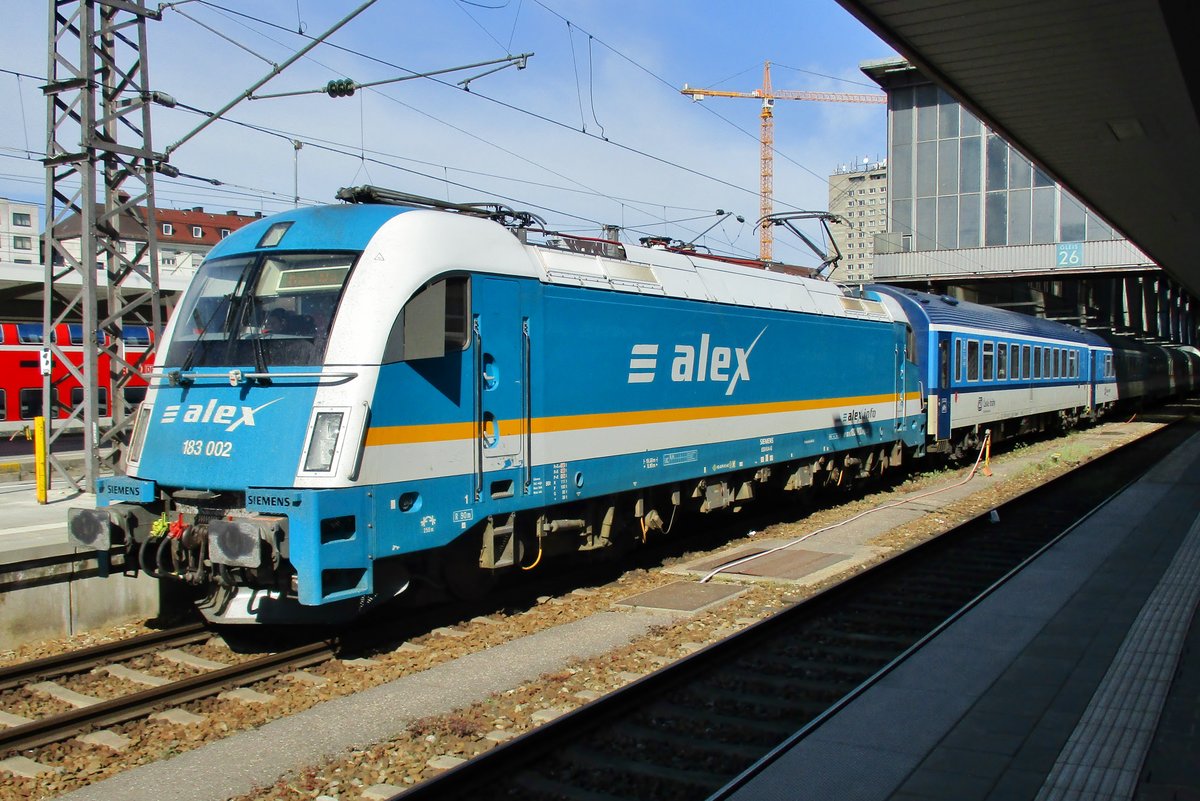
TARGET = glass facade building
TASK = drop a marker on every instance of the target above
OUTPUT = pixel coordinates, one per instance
(955, 184)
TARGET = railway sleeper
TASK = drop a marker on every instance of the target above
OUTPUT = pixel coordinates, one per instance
(919, 613)
(705, 712)
(537, 786)
(801, 687)
(870, 642)
(627, 764)
(787, 667)
(712, 738)
(787, 698)
(678, 749)
(843, 656)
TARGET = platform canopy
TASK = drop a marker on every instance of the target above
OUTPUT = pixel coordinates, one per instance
(1094, 91)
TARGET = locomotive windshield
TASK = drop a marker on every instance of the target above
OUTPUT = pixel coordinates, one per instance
(263, 310)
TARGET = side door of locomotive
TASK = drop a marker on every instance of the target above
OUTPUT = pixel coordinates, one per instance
(502, 350)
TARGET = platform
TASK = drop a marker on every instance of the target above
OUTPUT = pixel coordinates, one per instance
(1078, 679)
(49, 588)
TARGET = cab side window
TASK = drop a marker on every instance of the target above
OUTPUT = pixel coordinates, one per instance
(434, 322)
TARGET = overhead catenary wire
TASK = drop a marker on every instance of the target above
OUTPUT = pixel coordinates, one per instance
(674, 88)
(483, 140)
(292, 59)
(528, 112)
(349, 150)
(592, 37)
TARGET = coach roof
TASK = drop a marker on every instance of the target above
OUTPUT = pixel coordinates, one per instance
(941, 310)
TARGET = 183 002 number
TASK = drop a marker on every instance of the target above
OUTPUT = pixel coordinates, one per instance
(207, 447)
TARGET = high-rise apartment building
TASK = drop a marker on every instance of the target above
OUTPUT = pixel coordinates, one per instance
(859, 193)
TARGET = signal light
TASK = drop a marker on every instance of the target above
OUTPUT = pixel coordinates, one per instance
(340, 87)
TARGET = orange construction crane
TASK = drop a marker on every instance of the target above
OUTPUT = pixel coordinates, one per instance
(767, 135)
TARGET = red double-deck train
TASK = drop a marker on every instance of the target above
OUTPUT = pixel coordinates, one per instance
(21, 374)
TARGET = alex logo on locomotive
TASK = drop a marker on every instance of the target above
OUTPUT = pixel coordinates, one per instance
(212, 413)
(692, 363)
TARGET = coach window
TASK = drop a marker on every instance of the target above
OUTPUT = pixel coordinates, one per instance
(29, 333)
(1002, 361)
(989, 361)
(1045, 361)
(972, 360)
(31, 403)
(3, 406)
(1025, 361)
(101, 400)
(434, 322)
(958, 362)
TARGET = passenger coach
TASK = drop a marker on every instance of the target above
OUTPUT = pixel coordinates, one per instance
(991, 369)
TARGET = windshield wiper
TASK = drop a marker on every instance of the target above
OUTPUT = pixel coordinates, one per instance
(201, 342)
(260, 360)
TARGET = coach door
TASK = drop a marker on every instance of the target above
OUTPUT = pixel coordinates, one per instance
(501, 349)
(942, 413)
(1095, 370)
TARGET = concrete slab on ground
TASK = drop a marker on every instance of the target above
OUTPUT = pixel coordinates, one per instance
(683, 596)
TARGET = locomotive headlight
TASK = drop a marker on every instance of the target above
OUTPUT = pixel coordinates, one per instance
(140, 424)
(323, 443)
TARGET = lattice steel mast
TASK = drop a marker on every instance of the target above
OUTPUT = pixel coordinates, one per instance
(97, 121)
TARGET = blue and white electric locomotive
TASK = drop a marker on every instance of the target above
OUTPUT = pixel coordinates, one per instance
(352, 397)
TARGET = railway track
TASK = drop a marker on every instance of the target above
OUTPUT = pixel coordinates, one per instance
(104, 654)
(52, 728)
(687, 730)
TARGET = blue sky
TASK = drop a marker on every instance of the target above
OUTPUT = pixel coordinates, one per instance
(615, 71)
